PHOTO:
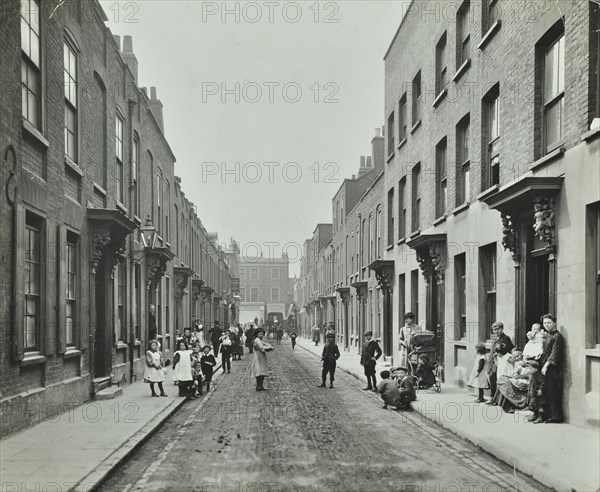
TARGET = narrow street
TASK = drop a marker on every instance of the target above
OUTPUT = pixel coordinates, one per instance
(297, 436)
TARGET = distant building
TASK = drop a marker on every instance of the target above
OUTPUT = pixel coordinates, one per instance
(265, 280)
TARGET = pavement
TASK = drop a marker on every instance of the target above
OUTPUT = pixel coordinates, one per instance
(77, 449)
(563, 457)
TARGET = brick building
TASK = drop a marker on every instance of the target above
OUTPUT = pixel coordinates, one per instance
(490, 191)
(96, 226)
(265, 280)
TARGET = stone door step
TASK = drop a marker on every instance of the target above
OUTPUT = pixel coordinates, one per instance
(109, 393)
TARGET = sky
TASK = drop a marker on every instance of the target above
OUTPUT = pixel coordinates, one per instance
(268, 105)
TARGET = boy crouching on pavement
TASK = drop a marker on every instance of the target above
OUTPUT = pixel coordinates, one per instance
(389, 390)
(406, 388)
(331, 353)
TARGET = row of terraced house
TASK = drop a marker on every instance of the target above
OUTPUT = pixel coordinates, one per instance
(482, 201)
(97, 231)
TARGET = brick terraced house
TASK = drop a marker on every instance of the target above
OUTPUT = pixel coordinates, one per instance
(96, 227)
(491, 188)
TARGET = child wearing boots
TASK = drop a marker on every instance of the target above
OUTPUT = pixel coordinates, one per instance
(368, 359)
(153, 373)
(207, 363)
(479, 378)
(182, 365)
(226, 351)
(331, 353)
(197, 370)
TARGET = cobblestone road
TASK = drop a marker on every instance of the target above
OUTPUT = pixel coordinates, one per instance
(299, 437)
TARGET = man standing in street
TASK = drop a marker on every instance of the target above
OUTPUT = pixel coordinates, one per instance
(250, 338)
(501, 346)
(152, 329)
(215, 334)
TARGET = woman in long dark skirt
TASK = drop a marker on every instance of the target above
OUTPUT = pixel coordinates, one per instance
(552, 362)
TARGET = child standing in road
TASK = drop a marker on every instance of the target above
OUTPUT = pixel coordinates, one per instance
(208, 363)
(182, 365)
(368, 359)
(331, 353)
(226, 350)
(197, 370)
(293, 339)
(479, 378)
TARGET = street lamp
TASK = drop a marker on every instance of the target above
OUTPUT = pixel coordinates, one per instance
(148, 232)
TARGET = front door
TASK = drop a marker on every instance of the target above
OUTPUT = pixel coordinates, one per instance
(103, 332)
(537, 294)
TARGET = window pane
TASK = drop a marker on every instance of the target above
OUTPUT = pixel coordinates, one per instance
(30, 332)
(553, 122)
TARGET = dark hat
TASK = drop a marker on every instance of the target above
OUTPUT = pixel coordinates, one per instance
(330, 335)
(259, 330)
(402, 368)
(368, 333)
(216, 322)
(207, 346)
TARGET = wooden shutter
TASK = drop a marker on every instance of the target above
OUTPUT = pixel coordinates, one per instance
(19, 281)
(61, 297)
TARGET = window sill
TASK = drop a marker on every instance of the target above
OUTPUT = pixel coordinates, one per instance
(594, 352)
(494, 28)
(390, 157)
(461, 342)
(439, 220)
(121, 345)
(73, 200)
(71, 353)
(390, 247)
(415, 126)
(461, 70)
(137, 220)
(461, 208)
(591, 135)
(401, 241)
(73, 166)
(415, 234)
(401, 144)
(98, 189)
(137, 343)
(551, 156)
(490, 191)
(439, 98)
(121, 207)
(33, 359)
(35, 133)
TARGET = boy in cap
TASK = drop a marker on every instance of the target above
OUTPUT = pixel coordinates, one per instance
(207, 363)
(331, 353)
(406, 388)
(368, 359)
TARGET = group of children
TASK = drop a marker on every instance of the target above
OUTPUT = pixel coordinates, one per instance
(191, 368)
(397, 392)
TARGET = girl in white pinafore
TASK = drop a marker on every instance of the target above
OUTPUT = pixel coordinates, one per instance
(153, 373)
(182, 365)
(479, 378)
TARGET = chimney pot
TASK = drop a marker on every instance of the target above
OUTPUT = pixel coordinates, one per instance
(117, 40)
(353, 176)
(153, 93)
(378, 132)
(369, 163)
(362, 161)
(127, 44)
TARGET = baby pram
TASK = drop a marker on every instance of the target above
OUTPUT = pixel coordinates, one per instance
(423, 364)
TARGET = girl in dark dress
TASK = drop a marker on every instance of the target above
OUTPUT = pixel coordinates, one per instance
(208, 363)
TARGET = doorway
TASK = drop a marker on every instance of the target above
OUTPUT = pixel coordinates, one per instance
(537, 294)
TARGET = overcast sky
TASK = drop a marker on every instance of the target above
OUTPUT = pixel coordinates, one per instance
(305, 84)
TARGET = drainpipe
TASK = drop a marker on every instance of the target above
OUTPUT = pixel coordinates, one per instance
(131, 281)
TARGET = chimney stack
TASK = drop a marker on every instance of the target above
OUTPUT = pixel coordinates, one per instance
(364, 167)
(129, 56)
(156, 108)
(362, 161)
(369, 163)
(117, 40)
(378, 150)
